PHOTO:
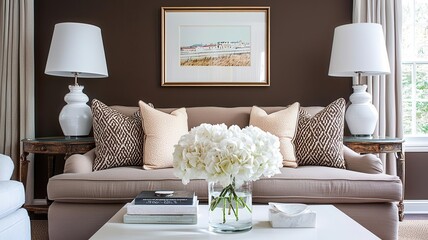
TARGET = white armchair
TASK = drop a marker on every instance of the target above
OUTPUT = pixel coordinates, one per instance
(14, 220)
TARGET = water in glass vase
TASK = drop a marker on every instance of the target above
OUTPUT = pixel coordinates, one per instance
(230, 207)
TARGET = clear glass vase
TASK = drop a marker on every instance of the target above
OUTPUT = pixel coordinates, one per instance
(230, 207)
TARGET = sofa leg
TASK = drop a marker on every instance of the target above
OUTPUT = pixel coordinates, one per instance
(400, 206)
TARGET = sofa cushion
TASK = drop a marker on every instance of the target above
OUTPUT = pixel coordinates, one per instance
(306, 184)
(12, 197)
(118, 138)
(319, 139)
(161, 132)
(282, 124)
(216, 115)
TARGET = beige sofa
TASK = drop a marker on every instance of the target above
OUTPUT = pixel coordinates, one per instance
(84, 200)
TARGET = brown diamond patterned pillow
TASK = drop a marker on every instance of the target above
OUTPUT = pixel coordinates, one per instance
(118, 138)
(319, 139)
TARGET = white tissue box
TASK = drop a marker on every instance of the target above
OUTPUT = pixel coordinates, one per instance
(305, 219)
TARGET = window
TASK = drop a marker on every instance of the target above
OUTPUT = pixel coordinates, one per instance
(415, 73)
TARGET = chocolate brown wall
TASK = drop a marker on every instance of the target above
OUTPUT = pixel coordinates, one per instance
(416, 176)
(301, 38)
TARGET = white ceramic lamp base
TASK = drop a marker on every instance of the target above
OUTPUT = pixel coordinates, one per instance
(76, 117)
(361, 116)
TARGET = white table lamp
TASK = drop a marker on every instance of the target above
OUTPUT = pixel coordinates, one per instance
(359, 50)
(76, 51)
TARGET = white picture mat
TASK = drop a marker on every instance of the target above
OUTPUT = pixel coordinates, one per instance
(256, 73)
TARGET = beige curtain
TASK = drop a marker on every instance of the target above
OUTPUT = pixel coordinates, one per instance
(385, 90)
(16, 80)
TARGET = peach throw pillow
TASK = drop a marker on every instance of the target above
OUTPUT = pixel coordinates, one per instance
(161, 132)
(282, 124)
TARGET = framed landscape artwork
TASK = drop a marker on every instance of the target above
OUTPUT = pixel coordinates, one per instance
(215, 46)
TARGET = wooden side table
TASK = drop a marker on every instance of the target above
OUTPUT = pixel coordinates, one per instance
(383, 145)
(50, 146)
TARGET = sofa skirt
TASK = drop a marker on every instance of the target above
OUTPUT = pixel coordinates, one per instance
(80, 221)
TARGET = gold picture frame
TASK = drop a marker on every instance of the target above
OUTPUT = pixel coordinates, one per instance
(215, 46)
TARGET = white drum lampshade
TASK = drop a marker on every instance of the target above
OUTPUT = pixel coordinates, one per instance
(359, 50)
(76, 50)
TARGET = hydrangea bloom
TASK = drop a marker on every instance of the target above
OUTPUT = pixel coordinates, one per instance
(221, 154)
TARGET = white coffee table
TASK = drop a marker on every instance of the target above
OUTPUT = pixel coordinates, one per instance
(331, 224)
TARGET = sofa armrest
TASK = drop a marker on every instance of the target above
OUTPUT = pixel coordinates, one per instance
(367, 163)
(80, 163)
(6, 167)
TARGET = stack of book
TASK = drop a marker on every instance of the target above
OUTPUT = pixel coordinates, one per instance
(165, 207)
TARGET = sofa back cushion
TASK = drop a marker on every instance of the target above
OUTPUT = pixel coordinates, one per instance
(215, 115)
(196, 116)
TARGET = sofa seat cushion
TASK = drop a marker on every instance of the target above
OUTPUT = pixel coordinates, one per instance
(306, 184)
(12, 197)
(114, 185)
(318, 184)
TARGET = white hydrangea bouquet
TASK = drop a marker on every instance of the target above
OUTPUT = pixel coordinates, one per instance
(228, 156)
